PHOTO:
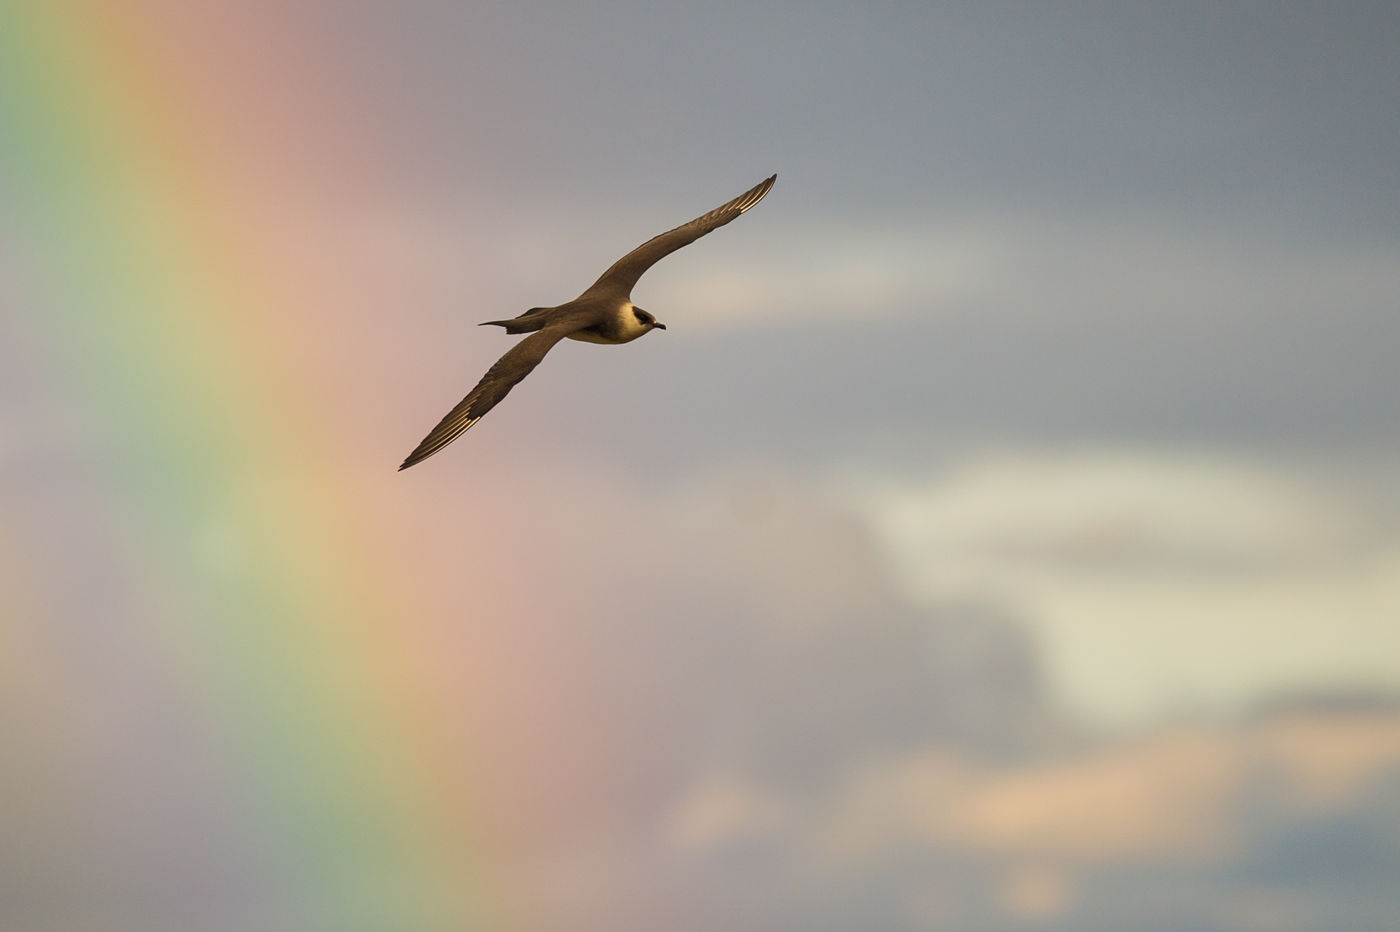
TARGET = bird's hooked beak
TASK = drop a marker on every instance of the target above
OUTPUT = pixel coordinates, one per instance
(659, 325)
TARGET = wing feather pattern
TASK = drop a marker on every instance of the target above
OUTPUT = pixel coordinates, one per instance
(519, 362)
(623, 274)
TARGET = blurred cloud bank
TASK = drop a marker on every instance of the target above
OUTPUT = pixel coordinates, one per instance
(808, 740)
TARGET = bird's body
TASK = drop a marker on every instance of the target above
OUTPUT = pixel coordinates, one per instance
(608, 321)
(602, 314)
(619, 325)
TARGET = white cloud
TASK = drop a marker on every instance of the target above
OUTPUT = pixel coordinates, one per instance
(1161, 580)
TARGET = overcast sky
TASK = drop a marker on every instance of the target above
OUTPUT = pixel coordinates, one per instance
(1004, 534)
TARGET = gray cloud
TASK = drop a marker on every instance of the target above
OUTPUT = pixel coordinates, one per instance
(1269, 376)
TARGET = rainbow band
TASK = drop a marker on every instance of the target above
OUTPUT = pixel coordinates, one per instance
(247, 586)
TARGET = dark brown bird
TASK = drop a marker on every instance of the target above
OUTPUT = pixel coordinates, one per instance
(602, 314)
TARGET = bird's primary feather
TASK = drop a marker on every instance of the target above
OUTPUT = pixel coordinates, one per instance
(517, 363)
(623, 274)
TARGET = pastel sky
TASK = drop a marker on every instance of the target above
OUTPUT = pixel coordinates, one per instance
(1005, 534)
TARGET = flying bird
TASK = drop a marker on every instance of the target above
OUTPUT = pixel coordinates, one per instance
(602, 314)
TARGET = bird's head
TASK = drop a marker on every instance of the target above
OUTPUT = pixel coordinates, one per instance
(646, 319)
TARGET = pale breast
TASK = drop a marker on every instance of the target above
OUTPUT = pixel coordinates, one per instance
(622, 328)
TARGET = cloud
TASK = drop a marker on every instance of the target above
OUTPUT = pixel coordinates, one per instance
(1113, 512)
(1326, 762)
(724, 809)
(1160, 798)
(1086, 833)
(1157, 579)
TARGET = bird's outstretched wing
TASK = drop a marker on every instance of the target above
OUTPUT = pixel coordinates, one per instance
(625, 271)
(494, 385)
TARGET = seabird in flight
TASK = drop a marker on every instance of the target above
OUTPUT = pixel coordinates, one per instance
(602, 314)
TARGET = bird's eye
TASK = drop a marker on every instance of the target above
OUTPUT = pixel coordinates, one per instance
(642, 316)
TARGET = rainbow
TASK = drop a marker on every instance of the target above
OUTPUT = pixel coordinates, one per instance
(246, 586)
